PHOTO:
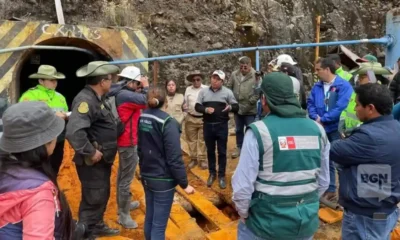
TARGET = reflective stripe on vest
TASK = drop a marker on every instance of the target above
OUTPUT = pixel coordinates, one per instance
(289, 181)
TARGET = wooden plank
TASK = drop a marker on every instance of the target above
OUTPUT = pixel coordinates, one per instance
(206, 208)
(228, 232)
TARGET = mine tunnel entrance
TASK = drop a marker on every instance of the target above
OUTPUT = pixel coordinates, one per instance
(65, 61)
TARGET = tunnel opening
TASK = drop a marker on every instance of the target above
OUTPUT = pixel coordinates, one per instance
(65, 61)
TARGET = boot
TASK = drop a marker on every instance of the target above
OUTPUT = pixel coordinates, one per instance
(236, 153)
(102, 230)
(79, 231)
(124, 217)
(210, 180)
(133, 205)
(203, 165)
(222, 183)
(192, 163)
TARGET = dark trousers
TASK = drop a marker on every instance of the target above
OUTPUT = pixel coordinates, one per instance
(57, 157)
(95, 182)
(159, 201)
(242, 121)
(216, 133)
(333, 136)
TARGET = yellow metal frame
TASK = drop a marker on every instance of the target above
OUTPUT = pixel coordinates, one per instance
(118, 43)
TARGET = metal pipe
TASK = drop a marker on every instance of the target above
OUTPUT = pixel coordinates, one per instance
(45, 47)
(257, 60)
(387, 40)
(155, 73)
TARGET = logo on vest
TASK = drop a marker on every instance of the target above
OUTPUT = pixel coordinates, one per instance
(298, 143)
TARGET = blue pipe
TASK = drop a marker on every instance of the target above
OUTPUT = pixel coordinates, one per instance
(386, 40)
(257, 60)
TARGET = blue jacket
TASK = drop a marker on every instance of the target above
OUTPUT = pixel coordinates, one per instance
(374, 142)
(396, 111)
(341, 91)
(159, 148)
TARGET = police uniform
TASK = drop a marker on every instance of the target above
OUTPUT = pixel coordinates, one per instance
(55, 100)
(92, 126)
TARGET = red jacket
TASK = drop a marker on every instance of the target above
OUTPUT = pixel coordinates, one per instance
(125, 111)
(129, 106)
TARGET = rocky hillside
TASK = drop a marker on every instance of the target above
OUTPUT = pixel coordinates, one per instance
(184, 26)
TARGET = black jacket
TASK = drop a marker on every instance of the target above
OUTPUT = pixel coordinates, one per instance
(159, 148)
(91, 121)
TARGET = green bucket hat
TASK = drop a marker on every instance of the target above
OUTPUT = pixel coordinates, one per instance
(282, 101)
(47, 72)
(97, 68)
(374, 66)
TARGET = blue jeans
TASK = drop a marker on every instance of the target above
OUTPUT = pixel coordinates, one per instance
(356, 227)
(158, 209)
(333, 136)
(245, 234)
(242, 121)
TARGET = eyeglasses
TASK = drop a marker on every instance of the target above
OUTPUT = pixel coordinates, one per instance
(243, 67)
(196, 79)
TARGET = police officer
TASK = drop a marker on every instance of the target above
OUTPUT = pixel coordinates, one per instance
(92, 132)
(45, 92)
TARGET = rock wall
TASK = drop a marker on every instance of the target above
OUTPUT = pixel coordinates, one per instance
(185, 26)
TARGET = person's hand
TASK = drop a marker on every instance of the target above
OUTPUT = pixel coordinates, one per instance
(185, 107)
(97, 156)
(227, 108)
(210, 110)
(145, 81)
(61, 115)
(243, 220)
(318, 120)
(189, 189)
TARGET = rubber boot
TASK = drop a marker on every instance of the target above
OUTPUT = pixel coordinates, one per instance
(124, 217)
(133, 205)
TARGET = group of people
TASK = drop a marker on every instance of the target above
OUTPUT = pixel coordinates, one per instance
(289, 153)
(290, 158)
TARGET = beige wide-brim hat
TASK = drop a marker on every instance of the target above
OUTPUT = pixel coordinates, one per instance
(97, 68)
(374, 66)
(47, 72)
(194, 73)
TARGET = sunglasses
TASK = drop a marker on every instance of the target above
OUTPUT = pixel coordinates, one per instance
(196, 79)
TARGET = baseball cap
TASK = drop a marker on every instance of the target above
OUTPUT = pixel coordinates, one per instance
(220, 74)
(131, 72)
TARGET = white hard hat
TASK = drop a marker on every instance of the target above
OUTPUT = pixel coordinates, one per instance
(220, 74)
(131, 72)
(284, 58)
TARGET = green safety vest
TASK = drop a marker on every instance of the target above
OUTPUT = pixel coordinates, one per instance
(343, 74)
(349, 115)
(53, 99)
(285, 202)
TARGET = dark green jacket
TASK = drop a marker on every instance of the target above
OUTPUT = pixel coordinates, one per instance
(244, 91)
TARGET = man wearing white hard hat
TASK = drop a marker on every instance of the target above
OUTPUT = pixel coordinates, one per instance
(215, 102)
(128, 103)
(285, 58)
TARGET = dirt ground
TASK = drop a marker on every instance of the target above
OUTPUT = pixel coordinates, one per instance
(70, 184)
